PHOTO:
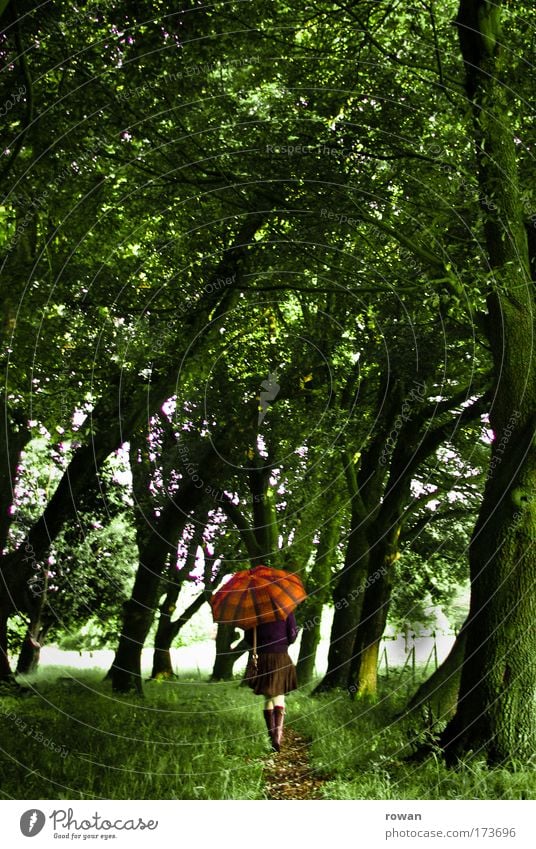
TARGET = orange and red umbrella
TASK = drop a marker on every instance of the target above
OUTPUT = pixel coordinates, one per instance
(258, 595)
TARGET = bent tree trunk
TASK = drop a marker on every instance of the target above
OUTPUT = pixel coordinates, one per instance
(14, 436)
(167, 630)
(226, 655)
(162, 666)
(412, 448)
(30, 652)
(496, 713)
(159, 541)
(437, 697)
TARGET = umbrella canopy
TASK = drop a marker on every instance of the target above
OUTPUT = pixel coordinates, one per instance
(257, 595)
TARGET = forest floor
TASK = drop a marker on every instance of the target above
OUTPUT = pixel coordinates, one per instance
(289, 774)
(73, 738)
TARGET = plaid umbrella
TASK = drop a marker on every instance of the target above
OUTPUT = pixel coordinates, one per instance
(258, 595)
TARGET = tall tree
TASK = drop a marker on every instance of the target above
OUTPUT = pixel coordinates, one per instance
(496, 714)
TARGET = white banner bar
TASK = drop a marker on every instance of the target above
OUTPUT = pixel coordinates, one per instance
(228, 824)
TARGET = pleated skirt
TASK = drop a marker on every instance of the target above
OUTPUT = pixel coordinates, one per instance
(275, 675)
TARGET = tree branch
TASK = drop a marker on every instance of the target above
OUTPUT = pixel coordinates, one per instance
(29, 100)
(241, 523)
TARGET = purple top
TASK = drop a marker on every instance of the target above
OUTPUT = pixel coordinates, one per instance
(274, 636)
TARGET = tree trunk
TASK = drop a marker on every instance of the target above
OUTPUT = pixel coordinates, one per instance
(30, 652)
(226, 656)
(263, 510)
(437, 697)
(166, 632)
(14, 436)
(5, 669)
(496, 714)
(138, 613)
(348, 598)
(363, 673)
(162, 665)
(170, 630)
(310, 639)
(317, 585)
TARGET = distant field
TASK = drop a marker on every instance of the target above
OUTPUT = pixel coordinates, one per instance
(198, 657)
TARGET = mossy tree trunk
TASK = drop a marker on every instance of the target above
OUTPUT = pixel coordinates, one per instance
(366, 475)
(417, 441)
(496, 713)
(317, 587)
(162, 665)
(348, 600)
(38, 627)
(5, 669)
(437, 697)
(363, 672)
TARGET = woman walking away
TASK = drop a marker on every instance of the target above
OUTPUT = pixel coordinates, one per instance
(274, 674)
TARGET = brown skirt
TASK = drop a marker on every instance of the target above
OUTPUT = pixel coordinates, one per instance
(275, 675)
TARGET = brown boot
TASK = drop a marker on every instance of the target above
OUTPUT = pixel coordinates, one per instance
(279, 719)
(269, 720)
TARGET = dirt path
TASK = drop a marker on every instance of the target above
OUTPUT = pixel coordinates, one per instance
(288, 773)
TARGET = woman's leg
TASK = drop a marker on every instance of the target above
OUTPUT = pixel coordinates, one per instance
(279, 717)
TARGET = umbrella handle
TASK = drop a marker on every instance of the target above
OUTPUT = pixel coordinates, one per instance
(254, 655)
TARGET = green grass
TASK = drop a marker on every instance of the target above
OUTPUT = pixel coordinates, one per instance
(189, 739)
(183, 740)
(364, 749)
